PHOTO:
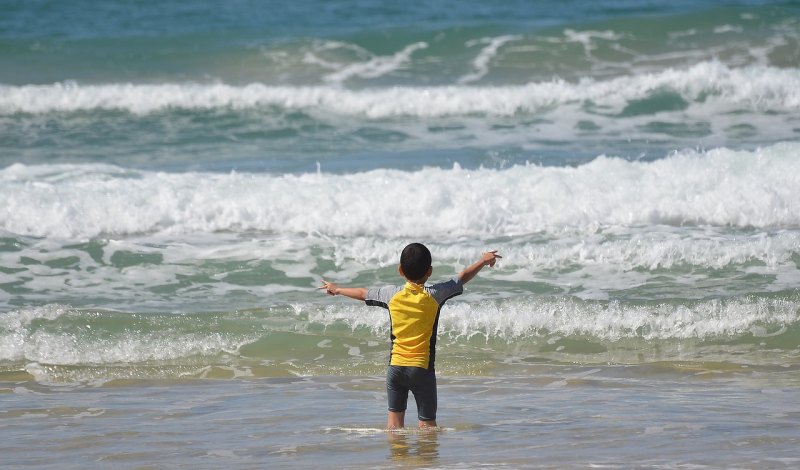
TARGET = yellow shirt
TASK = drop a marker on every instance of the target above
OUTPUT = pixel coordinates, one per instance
(414, 314)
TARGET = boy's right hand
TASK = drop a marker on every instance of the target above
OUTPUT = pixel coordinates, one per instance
(490, 258)
(487, 259)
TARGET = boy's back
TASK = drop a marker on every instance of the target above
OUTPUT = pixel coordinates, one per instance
(414, 315)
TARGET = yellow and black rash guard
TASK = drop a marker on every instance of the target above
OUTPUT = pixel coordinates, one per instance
(414, 316)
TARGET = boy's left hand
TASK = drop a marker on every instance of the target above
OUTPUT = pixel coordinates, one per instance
(330, 288)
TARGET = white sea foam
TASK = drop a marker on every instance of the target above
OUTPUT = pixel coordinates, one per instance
(646, 262)
(615, 321)
(722, 187)
(525, 317)
(520, 319)
(63, 349)
(481, 63)
(755, 87)
(375, 66)
(588, 39)
(59, 345)
(23, 317)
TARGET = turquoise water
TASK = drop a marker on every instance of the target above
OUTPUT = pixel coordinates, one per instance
(177, 179)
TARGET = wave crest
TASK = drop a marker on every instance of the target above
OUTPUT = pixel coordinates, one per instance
(719, 188)
(754, 87)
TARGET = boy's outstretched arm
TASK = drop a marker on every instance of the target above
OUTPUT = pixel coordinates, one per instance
(358, 293)
(487, 259)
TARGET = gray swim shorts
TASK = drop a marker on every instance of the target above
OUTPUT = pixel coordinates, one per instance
(421, 382)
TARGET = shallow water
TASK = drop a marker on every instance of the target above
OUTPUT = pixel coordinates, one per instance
(562, 416)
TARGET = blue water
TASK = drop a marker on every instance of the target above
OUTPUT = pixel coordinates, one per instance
(177, 178)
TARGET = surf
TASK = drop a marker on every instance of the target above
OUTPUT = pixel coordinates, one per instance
(66, 344)
(721, 188)
(700, 85)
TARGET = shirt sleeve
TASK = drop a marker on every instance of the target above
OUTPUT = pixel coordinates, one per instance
(444, 291)
(380, 296)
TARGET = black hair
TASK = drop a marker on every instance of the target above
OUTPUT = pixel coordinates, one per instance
(415, 261)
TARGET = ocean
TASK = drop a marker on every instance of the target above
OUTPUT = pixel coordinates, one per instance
(177, 179)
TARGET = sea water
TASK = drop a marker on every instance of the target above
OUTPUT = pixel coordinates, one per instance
(177, 179)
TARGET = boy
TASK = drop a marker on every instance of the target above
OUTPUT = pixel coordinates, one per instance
(414, 314)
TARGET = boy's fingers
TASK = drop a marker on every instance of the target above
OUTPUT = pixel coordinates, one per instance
(494, 258)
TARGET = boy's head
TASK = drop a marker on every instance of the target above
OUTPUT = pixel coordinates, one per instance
(415, 262)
